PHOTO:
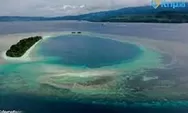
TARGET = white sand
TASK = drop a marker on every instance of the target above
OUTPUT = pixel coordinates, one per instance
(7, 40)
(26, 56)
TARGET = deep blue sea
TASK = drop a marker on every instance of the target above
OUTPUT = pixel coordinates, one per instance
(160, 31)
(88, 51)
(38, 104)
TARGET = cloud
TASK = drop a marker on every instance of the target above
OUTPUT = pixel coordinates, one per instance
(82, 6)
(62, 7)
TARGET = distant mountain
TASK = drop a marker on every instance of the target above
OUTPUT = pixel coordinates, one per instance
(20, 18)
(159, 17)
(131, 14)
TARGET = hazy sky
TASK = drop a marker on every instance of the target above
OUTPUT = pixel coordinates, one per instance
(61, 7)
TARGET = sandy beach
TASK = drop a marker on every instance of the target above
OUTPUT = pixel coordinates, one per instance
(25, 57)
(7, 40)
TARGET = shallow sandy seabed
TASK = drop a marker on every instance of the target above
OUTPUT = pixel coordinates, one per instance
(136, 80)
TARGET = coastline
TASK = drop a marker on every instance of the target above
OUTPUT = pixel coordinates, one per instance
(26, 55)
(7, 40)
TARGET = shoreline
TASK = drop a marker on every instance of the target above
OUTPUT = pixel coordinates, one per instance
(15, 37)
(26, 55)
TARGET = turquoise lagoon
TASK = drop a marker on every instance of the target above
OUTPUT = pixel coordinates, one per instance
(80, 68)
(97, 64)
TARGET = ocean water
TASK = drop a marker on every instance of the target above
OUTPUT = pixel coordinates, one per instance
(87, 51)
(41, 104)
(30, 102)
(176, 32)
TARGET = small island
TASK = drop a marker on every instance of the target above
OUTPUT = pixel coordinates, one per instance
(22, 46)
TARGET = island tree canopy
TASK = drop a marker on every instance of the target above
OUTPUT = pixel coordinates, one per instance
(22, 46)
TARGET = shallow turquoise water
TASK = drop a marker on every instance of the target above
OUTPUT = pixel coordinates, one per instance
(68, 52)
(29, 103)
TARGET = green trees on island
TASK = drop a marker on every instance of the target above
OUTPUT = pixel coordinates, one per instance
(22, 46)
